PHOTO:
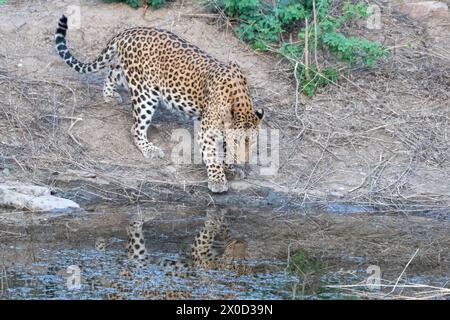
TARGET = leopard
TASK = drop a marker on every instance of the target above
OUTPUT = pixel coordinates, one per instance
(213, 248)
(158, 67)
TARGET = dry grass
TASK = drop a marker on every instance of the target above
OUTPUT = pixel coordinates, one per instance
(407, 291)
(398, 291)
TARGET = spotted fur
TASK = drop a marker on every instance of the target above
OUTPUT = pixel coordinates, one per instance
(137, 252)
(157, 66)
(213, 247)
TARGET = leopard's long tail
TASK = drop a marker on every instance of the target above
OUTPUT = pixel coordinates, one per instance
(102, 61)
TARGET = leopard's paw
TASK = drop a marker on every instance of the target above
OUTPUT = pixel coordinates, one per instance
(217, 187)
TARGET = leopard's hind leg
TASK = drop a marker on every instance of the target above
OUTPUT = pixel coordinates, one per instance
(145, 98)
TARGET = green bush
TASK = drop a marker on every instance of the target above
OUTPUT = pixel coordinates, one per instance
(266, 27)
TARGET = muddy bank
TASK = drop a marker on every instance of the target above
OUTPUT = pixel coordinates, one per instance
(90, 189)
(251, 194)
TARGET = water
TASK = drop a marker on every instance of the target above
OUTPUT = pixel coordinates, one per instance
(74, 273)
(46, 256)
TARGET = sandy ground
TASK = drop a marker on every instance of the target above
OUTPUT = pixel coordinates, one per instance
(379, 139)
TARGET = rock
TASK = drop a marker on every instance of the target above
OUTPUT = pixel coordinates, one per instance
(424, 9)
(26, 189)
(34, 198)
(52, 203)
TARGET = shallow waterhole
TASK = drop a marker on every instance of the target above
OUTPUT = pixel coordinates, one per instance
(50, 256)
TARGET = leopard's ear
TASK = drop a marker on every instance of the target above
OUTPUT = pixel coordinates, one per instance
(260, 113)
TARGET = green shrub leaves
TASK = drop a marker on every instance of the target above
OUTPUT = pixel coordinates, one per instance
(268, 27)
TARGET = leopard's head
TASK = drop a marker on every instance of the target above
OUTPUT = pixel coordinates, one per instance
(246, 119)
(242, 138)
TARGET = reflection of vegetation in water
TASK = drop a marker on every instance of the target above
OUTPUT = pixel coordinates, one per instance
(309, 270)
(314, 280)
(302, 263)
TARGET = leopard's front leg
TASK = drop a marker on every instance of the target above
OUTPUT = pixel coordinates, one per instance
(210, 142)
(231, 169)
